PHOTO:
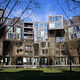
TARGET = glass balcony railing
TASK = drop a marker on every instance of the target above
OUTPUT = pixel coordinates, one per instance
(28, 37)
(60, 39)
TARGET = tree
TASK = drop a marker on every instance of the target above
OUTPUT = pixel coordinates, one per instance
(24, 8)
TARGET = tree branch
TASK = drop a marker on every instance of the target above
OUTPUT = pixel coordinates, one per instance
(9, 14)
(5, 10)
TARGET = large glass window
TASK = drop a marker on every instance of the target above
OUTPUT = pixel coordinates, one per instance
(58, 25)
(57, 61)
(18, 30)
(10, 29)
(56, 22)
(55, 18)
(50, 19)
(9, 21)
(36, 25)
(18, 36)
(39, 32)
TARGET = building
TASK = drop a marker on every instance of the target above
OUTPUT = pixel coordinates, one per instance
(56, 34)
(1, 34)
(28, 44)
(73, 38)
(12, 41)
(41, 51)
(40, 31)
(56, 42)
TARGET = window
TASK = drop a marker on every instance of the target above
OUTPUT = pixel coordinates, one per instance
(21, 23)
(45, 51)
(18, 30)
(36, 25)
(38, 33)
(58, 52)
(25, 37)
(43, 44)
(0, 14)
(10, 36)
(71, 36)
(41, 25)
(50, 19)
(70, 30)
(14, 36)
(75, 36)
(28, 47)
(57, 61)
(17, 36)
(58, 45)
(46, 25)
(58, 25)
(54, 19)
(77, 28)
(41, 38)
(78, 35)
(62, 52)
(62, 59)
(11, 29)
(60, 39)
(9, 21)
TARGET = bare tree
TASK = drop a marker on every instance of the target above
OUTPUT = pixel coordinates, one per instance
(70, 8)
(26, 6)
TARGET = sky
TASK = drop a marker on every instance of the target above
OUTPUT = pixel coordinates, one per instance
(52, 8)
(47, 8)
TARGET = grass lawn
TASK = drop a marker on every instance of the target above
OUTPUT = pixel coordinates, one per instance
(39, 74)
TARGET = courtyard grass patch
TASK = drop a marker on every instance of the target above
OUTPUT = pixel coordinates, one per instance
(39, 74)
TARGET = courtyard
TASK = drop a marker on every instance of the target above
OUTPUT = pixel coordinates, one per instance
(39, 74)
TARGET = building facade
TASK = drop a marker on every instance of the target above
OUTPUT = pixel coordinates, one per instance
(56, 42)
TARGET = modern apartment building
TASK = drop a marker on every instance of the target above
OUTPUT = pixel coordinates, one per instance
(55, 42)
